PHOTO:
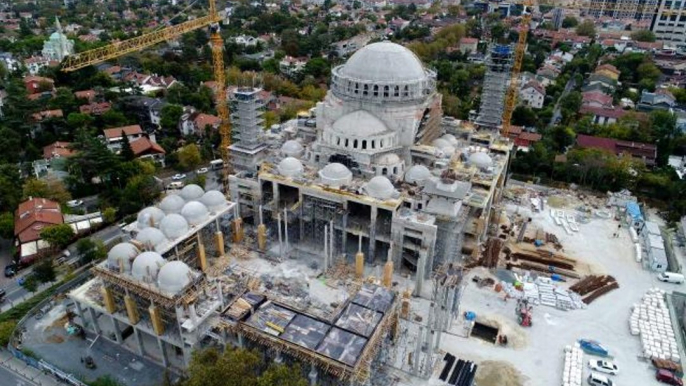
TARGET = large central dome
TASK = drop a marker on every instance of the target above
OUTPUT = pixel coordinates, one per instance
(384, 62)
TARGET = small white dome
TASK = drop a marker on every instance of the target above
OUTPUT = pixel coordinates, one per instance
(290, 167)
(151, 237)
(150, 216)
(292, 148)
(174, 226)
(389, 159)
(449, 150)
(172, 204)
(335, 174)
(213, 200)
(192, 192)
(174, 276)
(481, 160)
(380, 188)
(146, 266)
(440, 143)
(451, 139)
(125, 252)
(417, 173)
(195, 212)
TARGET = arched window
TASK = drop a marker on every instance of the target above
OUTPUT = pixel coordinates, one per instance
(346, 142)
(357, 88)
(396, 91)
(384, 171)
(364, 144)
(386, 91)
(381, 144)
(376, 90)
(338, 141)
(395, 170)
(373, 144)
(406, 91)
(355, 144)
(365, 89)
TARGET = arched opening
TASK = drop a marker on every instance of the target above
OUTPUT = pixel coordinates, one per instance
(384, 171)
(396, 91)
(346, 142)
(373, 144)
(376, 90)
(381, 144)
(386, 90)
(365, 89)
(406, 91)
(355, 144)
(364, 144)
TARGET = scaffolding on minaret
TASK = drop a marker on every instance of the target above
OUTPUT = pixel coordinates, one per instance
(498, 65)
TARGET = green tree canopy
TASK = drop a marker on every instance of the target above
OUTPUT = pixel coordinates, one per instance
(189, 156)
(52, 189)
(643, 36)
(586, 28)
(569, 22)
(58, 236)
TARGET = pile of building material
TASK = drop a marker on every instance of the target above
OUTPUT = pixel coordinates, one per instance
(574, 365)
(594, 286)
(651, 320)
(543, 291)
(566, 220)
(528, 257)
(491, 254)
(462, 374)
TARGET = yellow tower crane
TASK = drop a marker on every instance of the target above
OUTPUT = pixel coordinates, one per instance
(520, 49)
(115, 50)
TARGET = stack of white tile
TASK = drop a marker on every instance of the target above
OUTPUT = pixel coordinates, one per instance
(574, 365)
(651, 320)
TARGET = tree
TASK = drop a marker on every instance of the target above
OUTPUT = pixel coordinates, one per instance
(78, 120)
(570, 22)
(189, 156)
(109, 215)
(6, 330)
(643, 36)
(282, 375)
(6, 225)
(45, 271)
(169, 117)
(52, 189)
(58, 236)
(586, 28)
(30, 283)
(317, 67)
(235, 367)
(113, 118)
(9, 180)
(90, 250)
(126, 153)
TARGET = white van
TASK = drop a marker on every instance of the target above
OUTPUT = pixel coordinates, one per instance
(671, 277)
(596, 379)
(176, 185)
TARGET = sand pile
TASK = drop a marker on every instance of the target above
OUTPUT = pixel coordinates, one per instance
(516, 337)
(498, 373)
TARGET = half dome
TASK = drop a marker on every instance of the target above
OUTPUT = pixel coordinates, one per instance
(172, 204)
(481, 160)
(359, 123)
(384, 62)
(174, 276)
(195, 212)
(146, 266)
(192, 192)
(174, 226)
(122, 253)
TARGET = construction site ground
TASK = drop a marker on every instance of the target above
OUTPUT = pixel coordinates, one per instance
(536, 353)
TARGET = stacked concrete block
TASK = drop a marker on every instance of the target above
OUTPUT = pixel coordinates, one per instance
(652, 322)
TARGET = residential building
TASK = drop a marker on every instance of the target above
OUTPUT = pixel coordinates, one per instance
(145, 148)
(193, 122)
(532, 94)
(30, 218)
(47, 114)
(115, 136)
(38, 84)
(661, 99)
(88, 95)
(603, 116)
(247, 41)
(57, 149)
(291, 66)
(609, 71)
(547, 74)
(468, 45)
(641, 10)
(679, 165)
(669, 24)
(558, 18)
(596, 99)
(643, 151)
(95, 108)
(147, 109)
(58, 47)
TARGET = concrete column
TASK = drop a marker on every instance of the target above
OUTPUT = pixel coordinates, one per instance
(139, 341)
(94, 319)
(240, 339)
(372, 236)
(332, 233)
(417, 351)
(131, 309)
(285, 227)
(117, 331)
(419, 277)
(344, 233)
(79, 312)
(313, 375)
(261, 233)
(108, 299)
(163, 352)
(156, 320)
(301, 222)
(450, 311)
(440, 320)
(326, 248)
(275, 191)
(278, 226)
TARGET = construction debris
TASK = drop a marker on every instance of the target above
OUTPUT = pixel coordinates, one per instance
(543, 291)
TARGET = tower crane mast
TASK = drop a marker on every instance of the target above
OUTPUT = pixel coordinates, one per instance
(115, 50)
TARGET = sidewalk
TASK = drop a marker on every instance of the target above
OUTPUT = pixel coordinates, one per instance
(30, 375)
(8, 304)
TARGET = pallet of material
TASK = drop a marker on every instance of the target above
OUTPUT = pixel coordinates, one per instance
(600, 292)
(591, 283)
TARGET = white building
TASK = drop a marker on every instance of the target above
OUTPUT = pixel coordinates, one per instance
(533, 94)
(58, 46)
(670, 22)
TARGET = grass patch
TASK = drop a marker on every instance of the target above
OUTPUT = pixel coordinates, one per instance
(20, 310)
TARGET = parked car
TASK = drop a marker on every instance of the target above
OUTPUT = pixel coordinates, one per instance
(175, 185)
(74, 203)
(596, 379)
(593, 347)
(202, 170)
(10, 270)
(603, 366)
(177, 177)
(668, 377)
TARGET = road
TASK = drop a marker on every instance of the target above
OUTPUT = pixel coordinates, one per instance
(212, 182)
(10, 378)
(557, 114)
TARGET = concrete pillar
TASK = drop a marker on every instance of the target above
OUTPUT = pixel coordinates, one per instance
(440, 320)
(156, 319)
(285, 227)
(277, 198)
(313, 375)
(163, 352)
(419, 277)
(450, 311)
(79, 312)
(388, 274)
(278, 226)
(201, 255)
(372, 236)
(344, 232)
(417, 351)
(108, 298)
(94, 320)
(429, 352)
(332, 232)
(359, 265)
(326, 249)
(238, 230)
(262, 237)
(117, 331)
(139, 341)
(131, 309)
(240, 340)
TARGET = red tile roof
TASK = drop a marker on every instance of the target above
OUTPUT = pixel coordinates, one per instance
(597, 96)
(57, 149)
(144, 145)
(34, 215)
(532, 137)
(615, 113)
(85, 94)
(95, 108)
(469, 40)
(41, 115)
(128, 130)
(588, 141)
(202, 120)
(608, 67)
(536, 86)
(635, 149)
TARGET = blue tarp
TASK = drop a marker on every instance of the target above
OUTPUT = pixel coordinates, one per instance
(634, 211)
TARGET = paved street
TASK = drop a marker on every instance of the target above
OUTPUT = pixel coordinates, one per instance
(10, 378)
(557, 114)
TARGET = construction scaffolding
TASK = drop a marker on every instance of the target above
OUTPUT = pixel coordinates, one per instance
(498, 65)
